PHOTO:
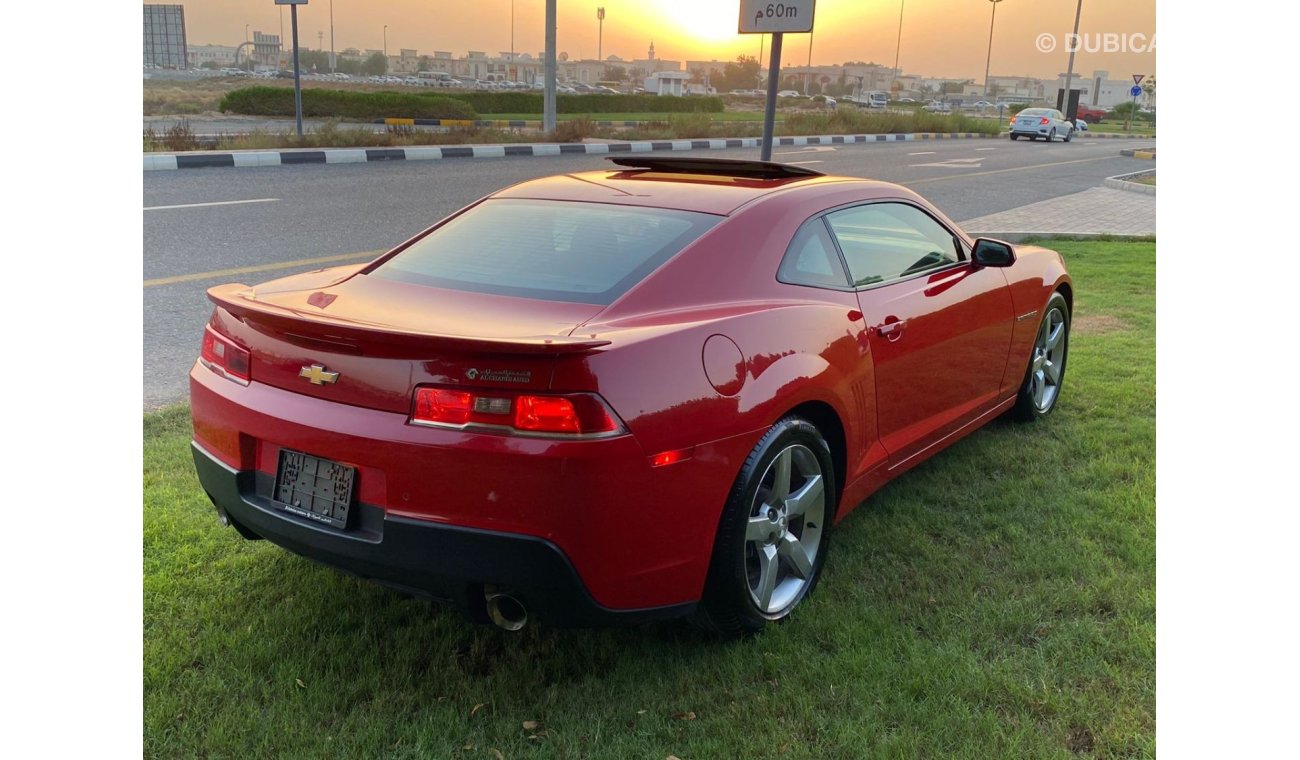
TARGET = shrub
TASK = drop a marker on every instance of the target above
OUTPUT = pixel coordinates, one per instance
(572, 130)
(278, 101)
(487, 101)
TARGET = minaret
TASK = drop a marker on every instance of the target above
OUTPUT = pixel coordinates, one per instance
(652, 50)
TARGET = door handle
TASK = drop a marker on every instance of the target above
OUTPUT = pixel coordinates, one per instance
(891, 328)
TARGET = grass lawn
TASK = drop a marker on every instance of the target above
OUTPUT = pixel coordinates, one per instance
(998, 601)
(1117, 127)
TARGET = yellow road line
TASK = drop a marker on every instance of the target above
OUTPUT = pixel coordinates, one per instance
(358, 256)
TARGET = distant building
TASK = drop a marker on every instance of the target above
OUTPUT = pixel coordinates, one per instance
(667, 83)
(1098, 90)
(219, 55)
(266, 49)
(164, 36)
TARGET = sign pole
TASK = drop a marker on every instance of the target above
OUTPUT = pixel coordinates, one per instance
(297, 71)
(769, 110)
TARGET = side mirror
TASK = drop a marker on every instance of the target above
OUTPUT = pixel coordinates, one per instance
(993, 253)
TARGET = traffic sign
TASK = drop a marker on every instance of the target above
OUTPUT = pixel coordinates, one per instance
(1137, 78)
(776, 16)
(1136, 91)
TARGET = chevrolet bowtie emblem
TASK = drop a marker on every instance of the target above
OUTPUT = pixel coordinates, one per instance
(318, 375)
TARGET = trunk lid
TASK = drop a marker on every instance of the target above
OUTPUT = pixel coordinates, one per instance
(383, 338)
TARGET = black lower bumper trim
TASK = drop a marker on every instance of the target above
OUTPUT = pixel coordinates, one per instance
(446, 562)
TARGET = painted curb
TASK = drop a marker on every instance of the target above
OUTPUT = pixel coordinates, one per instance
(1121, 182)
(1149, 155)
(204, 159)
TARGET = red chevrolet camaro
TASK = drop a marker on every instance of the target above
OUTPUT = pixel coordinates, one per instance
(620, 395)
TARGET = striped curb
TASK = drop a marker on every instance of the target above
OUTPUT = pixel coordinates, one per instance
(1149, 155)
(168, 161)
(1121, 182)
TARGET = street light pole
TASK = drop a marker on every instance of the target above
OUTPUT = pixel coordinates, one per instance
(385, 47)
(600, 34)
(548, 87)
(1069, 72)
(331, 36)
(898, 46)
(989, 59)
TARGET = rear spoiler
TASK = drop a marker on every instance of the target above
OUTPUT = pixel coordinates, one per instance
(241, 302)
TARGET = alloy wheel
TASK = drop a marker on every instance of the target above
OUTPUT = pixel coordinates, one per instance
(1049, 360)
(783, 535)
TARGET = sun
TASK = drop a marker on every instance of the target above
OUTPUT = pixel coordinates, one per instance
(703, 22)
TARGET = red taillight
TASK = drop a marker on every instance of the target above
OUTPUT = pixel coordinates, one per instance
(224, 356)
(533, 414)
(1044, 120)
(670, 457)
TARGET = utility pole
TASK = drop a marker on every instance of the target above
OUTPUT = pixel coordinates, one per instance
(898, 46)
(989, 60)
(806, 76)
(512, 33)
(385, 47)
(331, 36)
(1069, 72)
(548, 93)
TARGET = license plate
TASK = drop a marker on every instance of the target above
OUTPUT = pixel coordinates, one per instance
(314, 488)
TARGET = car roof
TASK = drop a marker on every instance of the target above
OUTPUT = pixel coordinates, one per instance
(710, 192)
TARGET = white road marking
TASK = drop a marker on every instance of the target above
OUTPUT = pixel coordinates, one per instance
(955, 163)
(978, 149)
(800, 163)
(809, 149)
(922, 153)
(214, 203)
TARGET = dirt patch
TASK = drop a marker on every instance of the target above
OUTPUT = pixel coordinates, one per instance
(1081, 741)
(1098, 324)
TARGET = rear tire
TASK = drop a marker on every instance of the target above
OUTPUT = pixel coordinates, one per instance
(1015, 137)
(774, 532)
(1045, 375)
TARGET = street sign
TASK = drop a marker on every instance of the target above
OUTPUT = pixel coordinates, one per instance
(776, 16)
(1135, 91)
(1137, 78)
(290, 2)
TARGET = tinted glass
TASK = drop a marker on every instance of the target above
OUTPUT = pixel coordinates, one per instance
(553, 250)
(1037, 112)
(812, 259)
(889, 241)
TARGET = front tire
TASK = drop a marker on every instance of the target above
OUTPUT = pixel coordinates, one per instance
(1045, 375)
(1069, 135)
(773, 536)
(1015, 137)
(1051, 136)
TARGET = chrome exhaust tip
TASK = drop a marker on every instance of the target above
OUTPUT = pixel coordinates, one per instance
(505, 611)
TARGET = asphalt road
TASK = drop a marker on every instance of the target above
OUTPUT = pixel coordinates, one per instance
(281, 220)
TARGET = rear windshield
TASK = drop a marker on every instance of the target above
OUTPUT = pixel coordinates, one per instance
(1036, 112)
(552, 250)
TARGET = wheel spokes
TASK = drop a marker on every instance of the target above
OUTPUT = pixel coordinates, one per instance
(1055, 335)
(809, 495)
(767, 571)
(759, 529)
(781, 475)
(795, 555)
(1053, 372)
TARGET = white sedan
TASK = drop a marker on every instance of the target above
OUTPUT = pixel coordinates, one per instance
(1047, 123)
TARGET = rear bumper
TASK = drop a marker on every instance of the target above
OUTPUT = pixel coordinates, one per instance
(446, 562)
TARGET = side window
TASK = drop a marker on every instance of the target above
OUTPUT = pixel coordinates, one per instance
(812, 259)
(890, 241)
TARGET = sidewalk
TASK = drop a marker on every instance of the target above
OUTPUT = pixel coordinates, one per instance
(1097, 211)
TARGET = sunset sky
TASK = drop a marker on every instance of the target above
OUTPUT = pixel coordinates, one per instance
(940, 37)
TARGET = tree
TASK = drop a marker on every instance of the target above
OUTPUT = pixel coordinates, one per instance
(615, 74)
(376, 63)
(209, 65)
(742, 74)
(697, 75)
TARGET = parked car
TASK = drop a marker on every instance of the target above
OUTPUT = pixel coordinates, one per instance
(1094, 115)
(1047, 123)
(789, 94)
(627, 394)
(936, 106)
(1080, 125)
(981, 104)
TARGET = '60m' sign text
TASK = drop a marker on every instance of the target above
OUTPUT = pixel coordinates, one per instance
(770, 16)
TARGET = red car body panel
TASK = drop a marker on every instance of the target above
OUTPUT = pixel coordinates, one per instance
(699, 358)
